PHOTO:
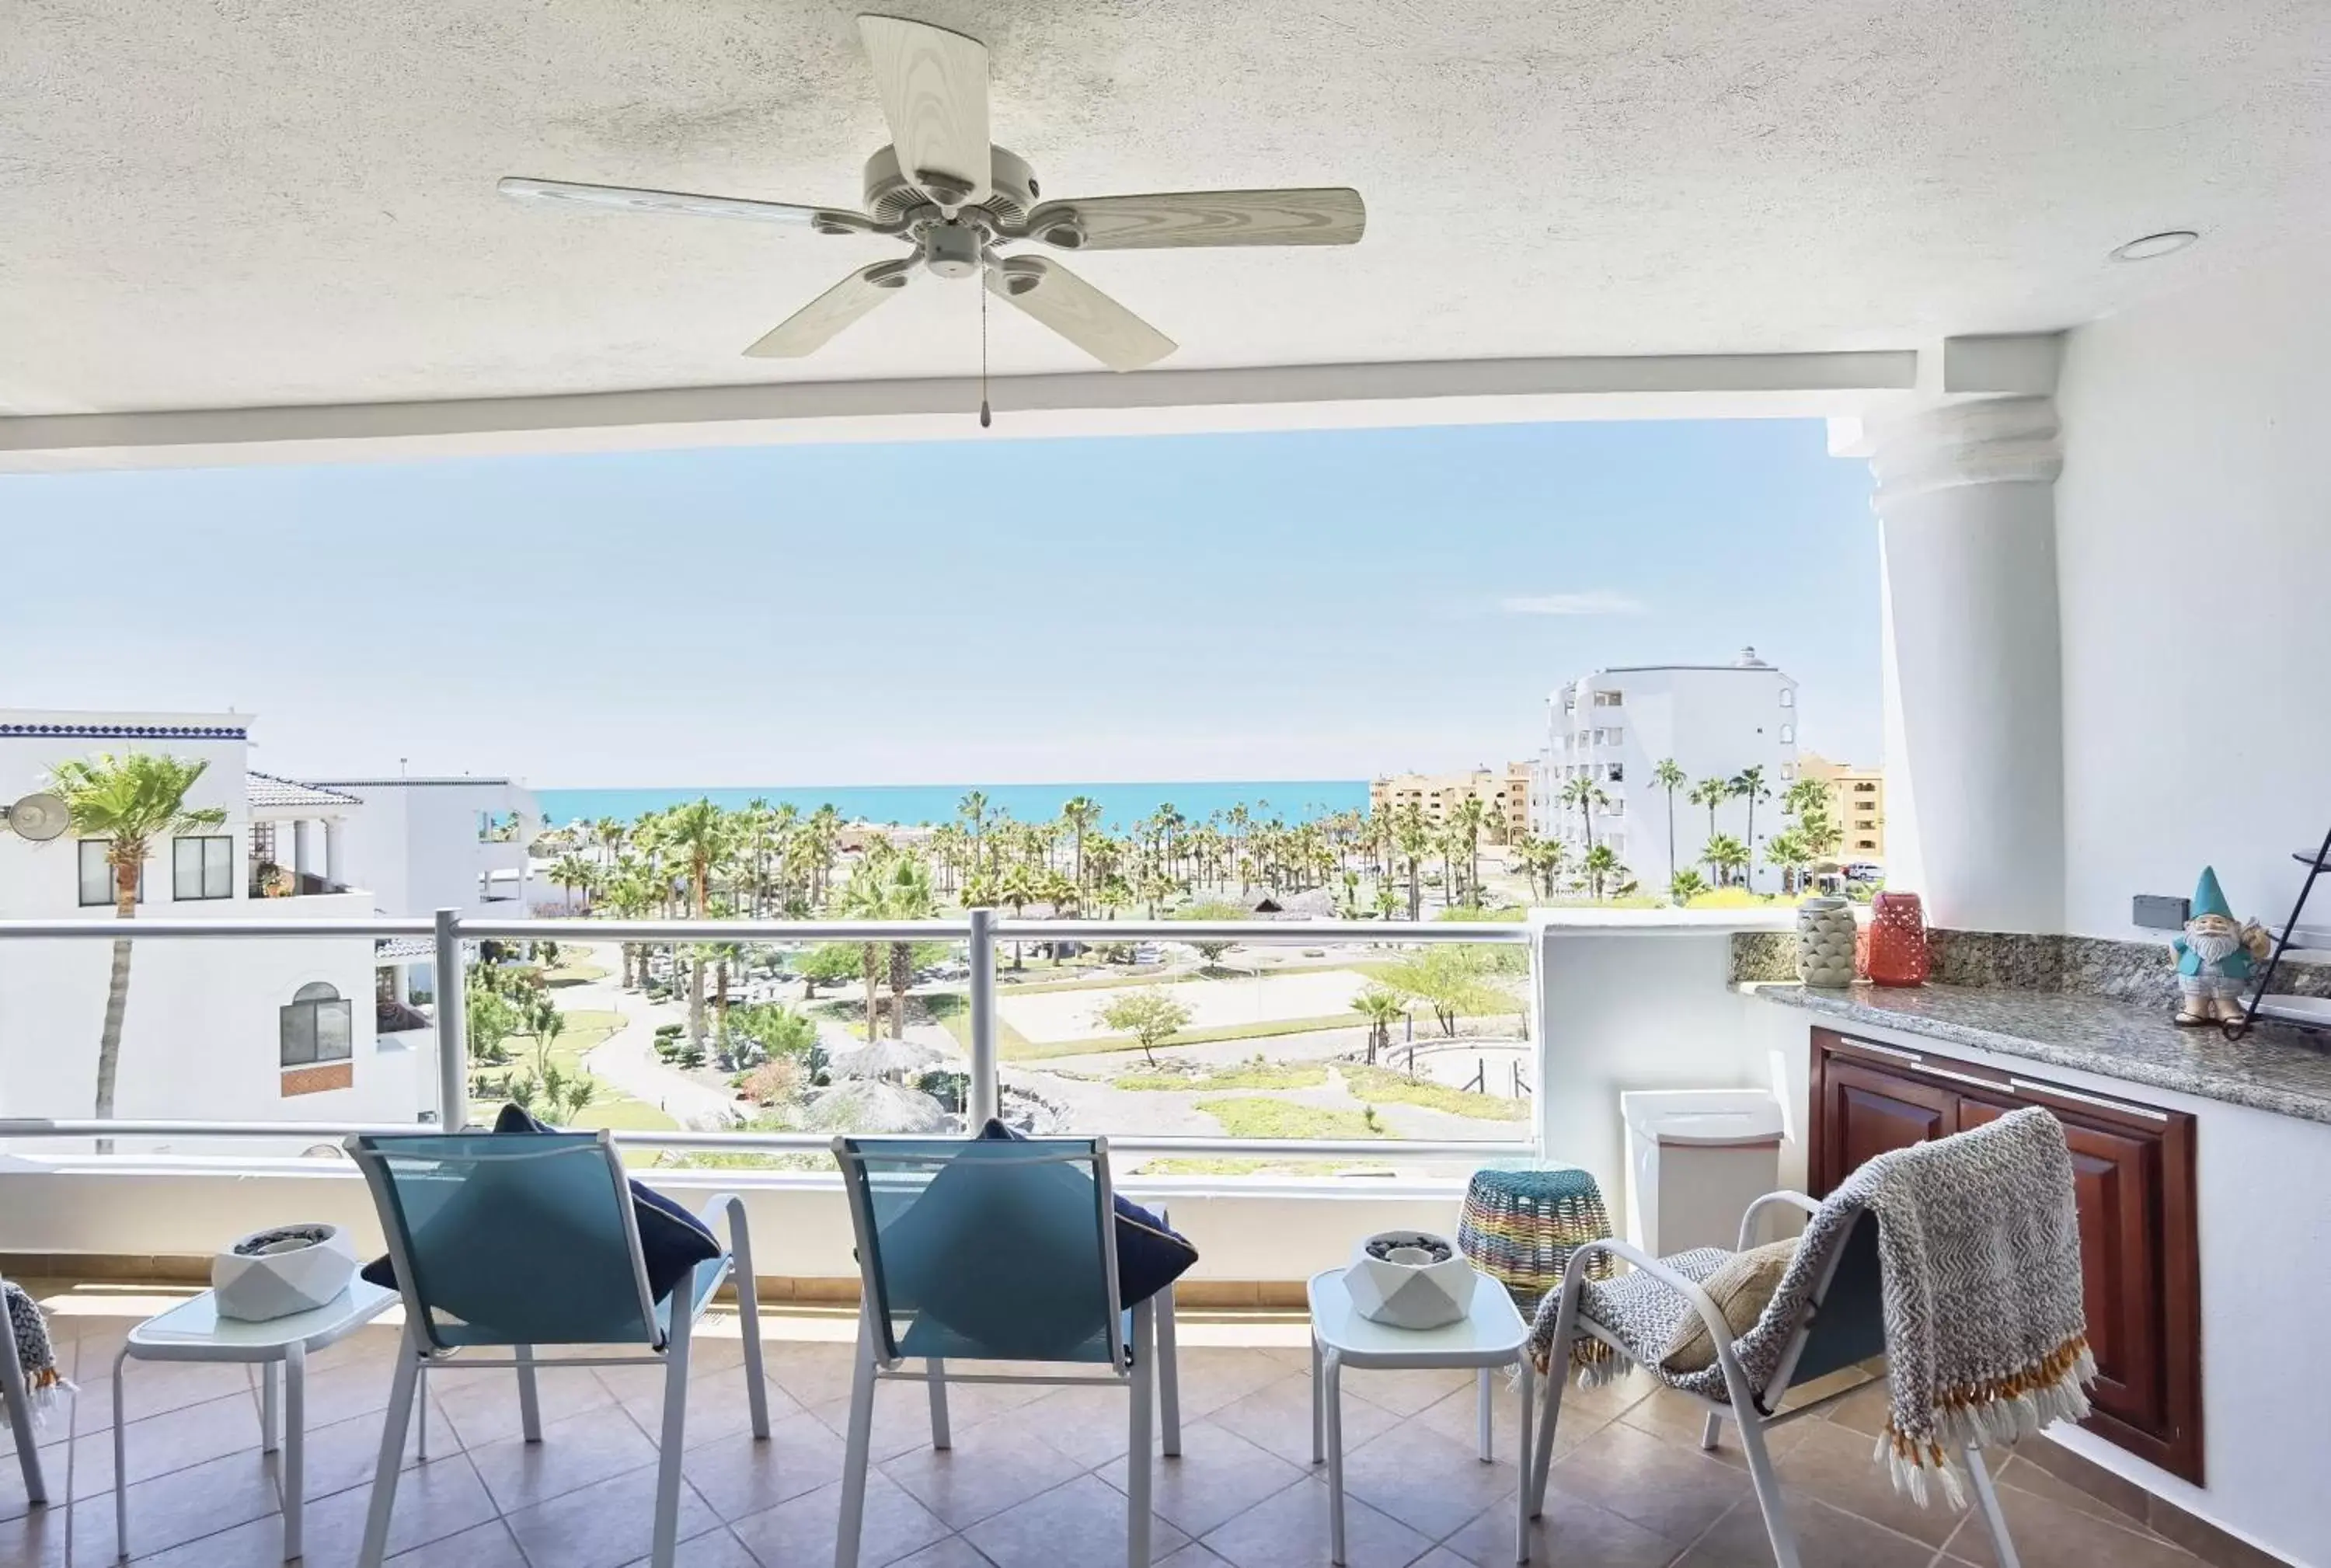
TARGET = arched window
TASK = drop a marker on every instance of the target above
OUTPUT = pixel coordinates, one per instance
(1788, 697)
(1788, 735)
(318, 1026)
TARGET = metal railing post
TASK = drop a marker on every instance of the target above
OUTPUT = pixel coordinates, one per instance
(986, 1093)
(452, 1025)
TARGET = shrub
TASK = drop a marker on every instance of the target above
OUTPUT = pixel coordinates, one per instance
(776, 1082)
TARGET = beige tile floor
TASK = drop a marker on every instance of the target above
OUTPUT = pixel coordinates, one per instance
(1035, 1479)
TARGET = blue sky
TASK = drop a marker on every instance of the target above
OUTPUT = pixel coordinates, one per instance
(1281, 605)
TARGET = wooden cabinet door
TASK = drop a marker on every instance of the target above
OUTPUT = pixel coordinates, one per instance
(1866, 1110)
(2116, 1182)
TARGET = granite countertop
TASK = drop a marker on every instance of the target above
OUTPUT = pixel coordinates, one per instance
(2283, 1070)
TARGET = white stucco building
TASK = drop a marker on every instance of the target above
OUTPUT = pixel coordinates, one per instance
(444, 843)
(1616, 726)
(279, 1028)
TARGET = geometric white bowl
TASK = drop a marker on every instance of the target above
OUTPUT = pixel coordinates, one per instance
(1410, 1279)
(282, 1269)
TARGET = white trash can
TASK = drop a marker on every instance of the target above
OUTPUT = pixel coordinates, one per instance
(1696, 1159)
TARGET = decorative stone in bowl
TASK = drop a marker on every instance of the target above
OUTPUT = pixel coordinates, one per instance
(282, 1269)
(1410, 1279)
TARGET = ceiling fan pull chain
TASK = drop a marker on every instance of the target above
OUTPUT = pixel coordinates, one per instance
(985, 418)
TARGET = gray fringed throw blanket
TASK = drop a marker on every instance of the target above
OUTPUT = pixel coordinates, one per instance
(31, 1332)
(1979, 1247)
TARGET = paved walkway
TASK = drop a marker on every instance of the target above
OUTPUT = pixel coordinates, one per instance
(627, 1059)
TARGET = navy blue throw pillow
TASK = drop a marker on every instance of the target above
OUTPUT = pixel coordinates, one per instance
(672, 1241)
(1150, 1253)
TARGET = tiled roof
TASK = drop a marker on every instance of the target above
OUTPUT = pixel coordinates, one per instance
(264, 789)
(397, 948)
(128, 731)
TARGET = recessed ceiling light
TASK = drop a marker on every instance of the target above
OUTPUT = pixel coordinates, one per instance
(2166, 242)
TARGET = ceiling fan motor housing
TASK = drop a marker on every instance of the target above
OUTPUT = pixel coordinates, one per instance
(891, 194)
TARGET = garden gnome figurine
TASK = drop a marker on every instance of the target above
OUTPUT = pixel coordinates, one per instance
(2215, 957)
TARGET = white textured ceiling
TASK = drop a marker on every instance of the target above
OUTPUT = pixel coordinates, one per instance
(225, 203)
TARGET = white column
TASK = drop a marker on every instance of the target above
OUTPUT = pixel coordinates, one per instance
(332, 852)
(300, 853)
(1973, 698)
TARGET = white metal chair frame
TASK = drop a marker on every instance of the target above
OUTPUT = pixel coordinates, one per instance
(15, 1392)
(1152, 1349)
(416, 1356)
(1748, 1406)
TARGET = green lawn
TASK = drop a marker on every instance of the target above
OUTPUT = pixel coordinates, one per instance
(1377, 1083)
(585, 1029)
(573, 974)
(1246, 1075)
(1252, 1116)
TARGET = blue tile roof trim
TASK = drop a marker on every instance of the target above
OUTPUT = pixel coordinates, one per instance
(129, 731)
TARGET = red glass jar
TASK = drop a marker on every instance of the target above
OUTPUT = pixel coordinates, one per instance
(1898, 940)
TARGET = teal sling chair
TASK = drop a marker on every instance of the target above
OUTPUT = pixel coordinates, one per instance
(513, 1242)
(974, 1251)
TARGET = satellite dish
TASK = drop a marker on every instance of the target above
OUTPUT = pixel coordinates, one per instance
(38, 817)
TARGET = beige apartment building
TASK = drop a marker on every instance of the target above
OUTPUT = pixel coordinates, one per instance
(1857, 800)
(1436, 794)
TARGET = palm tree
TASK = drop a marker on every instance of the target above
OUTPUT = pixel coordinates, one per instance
(905, 896)
(576, 875)
(1380, 1006)
(1748, 784)
(1667, 776)
(130, 801)
(1083, 813)
(864, 898)
(1600, 865)
(700, 832)
(1587, 795)
(1020, 885)
(1791, 852)
(1710, 793)
(631, 896)
(973, 810)
(1543, 859)
(1414, 840)
(1686, 885)
(1724, 855)
(1468, 820)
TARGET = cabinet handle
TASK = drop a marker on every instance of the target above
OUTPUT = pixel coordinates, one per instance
(1881, 1050)
(1992, 1084)
(2026, 1086)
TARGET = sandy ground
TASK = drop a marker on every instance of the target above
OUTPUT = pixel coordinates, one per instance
(1052, 1016)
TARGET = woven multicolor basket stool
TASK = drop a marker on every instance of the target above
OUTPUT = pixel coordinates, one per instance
(1521, 1227)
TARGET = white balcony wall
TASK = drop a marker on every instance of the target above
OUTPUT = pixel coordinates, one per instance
(1636, 1000)
(202, 1035)
(2193, 555)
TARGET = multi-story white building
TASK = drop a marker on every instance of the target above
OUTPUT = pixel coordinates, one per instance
(444, 843)
(279, 1028)
(1615, 727)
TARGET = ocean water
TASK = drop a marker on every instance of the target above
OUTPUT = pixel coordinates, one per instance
(911, 805)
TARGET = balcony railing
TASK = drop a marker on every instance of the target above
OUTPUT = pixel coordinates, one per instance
(982, 933)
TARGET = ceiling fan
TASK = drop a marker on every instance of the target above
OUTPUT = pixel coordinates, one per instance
(959, 202)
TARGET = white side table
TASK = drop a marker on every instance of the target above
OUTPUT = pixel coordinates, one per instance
(194, 1330)
(1491, 1335)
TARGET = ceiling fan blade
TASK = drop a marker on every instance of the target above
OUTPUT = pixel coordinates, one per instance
(819, 322)
(624, 198)
(1078, 312)
(934, 88)
(1172, 219)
